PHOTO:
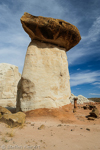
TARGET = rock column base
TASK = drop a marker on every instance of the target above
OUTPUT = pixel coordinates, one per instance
(45, 78)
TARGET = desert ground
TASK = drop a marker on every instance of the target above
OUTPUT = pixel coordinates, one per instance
(54, 129)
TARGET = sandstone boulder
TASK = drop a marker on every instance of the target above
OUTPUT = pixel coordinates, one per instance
(13, 120)
(4, 111)
(94, 113)
(45, 78)
(56, 31)
(9, 78)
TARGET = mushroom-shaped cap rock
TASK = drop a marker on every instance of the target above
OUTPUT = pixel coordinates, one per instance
(55, 31)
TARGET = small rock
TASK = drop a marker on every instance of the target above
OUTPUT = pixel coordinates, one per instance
(85, 107)
(74, 110)
(28, 122)
(88, 129)
(32, 124)
(72, 129)
(91, 107)
(94, 113)
(59, 125)
(41, 127)
(91, 118)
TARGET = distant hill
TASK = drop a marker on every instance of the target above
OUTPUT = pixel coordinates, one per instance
(95, 99)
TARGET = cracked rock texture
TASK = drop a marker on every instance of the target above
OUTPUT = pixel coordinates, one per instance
(9, 78)
(45, 78)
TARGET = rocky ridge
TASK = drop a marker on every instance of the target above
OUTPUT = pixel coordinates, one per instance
(81, 99)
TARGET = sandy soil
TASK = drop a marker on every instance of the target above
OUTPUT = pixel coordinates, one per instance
(62, 129)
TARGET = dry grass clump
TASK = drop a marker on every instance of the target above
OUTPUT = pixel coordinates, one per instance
(4, 140)
(10, 134)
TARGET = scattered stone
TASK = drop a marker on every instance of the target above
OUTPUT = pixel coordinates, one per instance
(87, 129)
(86, 107)
(94, 113)
(72, 129)
(91, 118)
(28, 122)
(91, 107)
(59, 125)
(41, 127)
(32, 124)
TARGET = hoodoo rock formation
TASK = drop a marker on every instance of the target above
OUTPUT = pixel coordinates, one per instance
(45, 77)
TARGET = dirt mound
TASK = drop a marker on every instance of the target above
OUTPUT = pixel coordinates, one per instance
(62, 113)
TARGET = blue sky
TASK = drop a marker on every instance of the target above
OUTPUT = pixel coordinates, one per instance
(83, 59)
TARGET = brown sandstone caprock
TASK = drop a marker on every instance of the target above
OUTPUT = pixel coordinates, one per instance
(45, 76)
(55, 31)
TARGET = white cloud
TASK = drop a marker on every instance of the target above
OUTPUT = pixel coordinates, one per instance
(78, 69)
(84, 77)
(97, 84)
(94, 94)
(93, 33)
(78, 88)
(77, 54)
(74, 56)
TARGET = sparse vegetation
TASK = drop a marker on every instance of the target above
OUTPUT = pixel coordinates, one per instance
(95, 99)
(10, 134)
(4, 140)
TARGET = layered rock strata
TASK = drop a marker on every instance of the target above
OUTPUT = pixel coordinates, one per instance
(9, 78)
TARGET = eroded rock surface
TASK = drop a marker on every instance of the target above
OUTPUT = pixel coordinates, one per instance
(9, 78)
(45, 78)
(13, 120)
(56, 31)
